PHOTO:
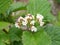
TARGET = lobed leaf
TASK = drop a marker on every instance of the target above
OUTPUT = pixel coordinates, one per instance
(15, 34)
(4, 5)
(42, 7)
(16, 7)
(54, 33)
(36, 38)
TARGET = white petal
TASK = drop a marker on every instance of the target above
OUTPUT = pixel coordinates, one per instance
(26, 17)
(39, 16)
(40, 20)
(20, 18)
(32, 22)
(29, 16)
(16, 24)
(25, 20)
(24, 23)
(32, 16)
(33, 29)
(41, 23)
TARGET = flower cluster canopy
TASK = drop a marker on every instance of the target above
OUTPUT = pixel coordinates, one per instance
(28, 22)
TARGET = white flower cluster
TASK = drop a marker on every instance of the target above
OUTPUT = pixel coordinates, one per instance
(40, 19)
(29, 22)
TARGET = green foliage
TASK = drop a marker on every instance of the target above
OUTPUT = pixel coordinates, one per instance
(54, 33)
(50, 35)
(15, 34)
(4, 4)
(16, 42)
(58, 1)
(16, 7)
(7, 18)
(57, 22)
(3, 38)
(38, 38)
(40, 6)
(3, 35)
(4, 25)
(58, 16)
(12, 36)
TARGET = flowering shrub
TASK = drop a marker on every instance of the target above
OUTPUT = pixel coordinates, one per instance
(20, 28)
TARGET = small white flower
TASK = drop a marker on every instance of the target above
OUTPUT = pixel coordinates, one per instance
(41, 23)
(29, 16)
(33, 29)
(24, 23)
(20, 18)
(32, 16)
(39, 17)
(17, 25)
(32, 22)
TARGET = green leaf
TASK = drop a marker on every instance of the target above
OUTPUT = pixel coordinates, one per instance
(58, 16)
(4, 25)
(1, 42)
(15, 34)
(42, 7)
(4, 4)
(16, 42)
(16, 7)
(3, 36)
(54, 33)
(38, 6)
(35, 38)
(58, 1)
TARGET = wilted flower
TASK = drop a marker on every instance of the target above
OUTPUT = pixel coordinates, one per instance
(33, 29)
